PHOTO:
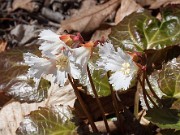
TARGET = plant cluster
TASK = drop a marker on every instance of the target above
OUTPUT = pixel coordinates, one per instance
(141, 55)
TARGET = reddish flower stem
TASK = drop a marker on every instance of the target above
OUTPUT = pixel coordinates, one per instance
(98, 101)
(144, 91)
(83, 105)
(116, 107)
(151, 89)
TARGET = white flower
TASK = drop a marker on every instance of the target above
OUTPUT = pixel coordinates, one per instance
(120, 63)
(59, 66)
(52, 44)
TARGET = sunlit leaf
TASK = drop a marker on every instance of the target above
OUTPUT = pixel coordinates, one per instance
(141, 31)
(101, 83)
(164, 118)
(46, 122)
(169, 78)
(14, 79)
(29, 91)
(11, 64)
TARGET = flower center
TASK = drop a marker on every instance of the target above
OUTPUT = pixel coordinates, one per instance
(125, 68)
(62, 62)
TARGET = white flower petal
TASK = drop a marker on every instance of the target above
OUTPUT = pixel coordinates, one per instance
(123, 55)
(112, 66)
(38, 66)
(108, 55)
(75, 71)
(48, 35)
(61, 77)
(82, 55)
(106, 50)
(52, 45)
(120, 81)
(50, 49)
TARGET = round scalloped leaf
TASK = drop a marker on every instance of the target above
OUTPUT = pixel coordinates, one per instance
(164, 118)
(169, 78)
(141, 31)
(46, 122)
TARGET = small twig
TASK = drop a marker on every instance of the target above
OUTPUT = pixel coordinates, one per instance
(83, 105)
(97, 100)
(116, 107)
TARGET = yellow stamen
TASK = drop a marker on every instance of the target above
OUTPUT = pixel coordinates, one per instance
(125, 68)
(62, 62)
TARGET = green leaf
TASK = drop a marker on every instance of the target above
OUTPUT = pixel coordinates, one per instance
(141, 31)
(169, 78)
(101, 83)
(164, 118)
(46, 122)
(14, 79)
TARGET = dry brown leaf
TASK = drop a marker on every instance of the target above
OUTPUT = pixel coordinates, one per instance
(89, 19)
(86, 4)
(143, 120)
(28, 5)
(160, 3)
(127, 7)
(25, 34)
(145, 2)
(3, 45)
(13, 113)
(60, 96)
(4, 99)
(99, 34)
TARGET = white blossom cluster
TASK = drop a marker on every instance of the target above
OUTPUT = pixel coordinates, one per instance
(59, 59)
